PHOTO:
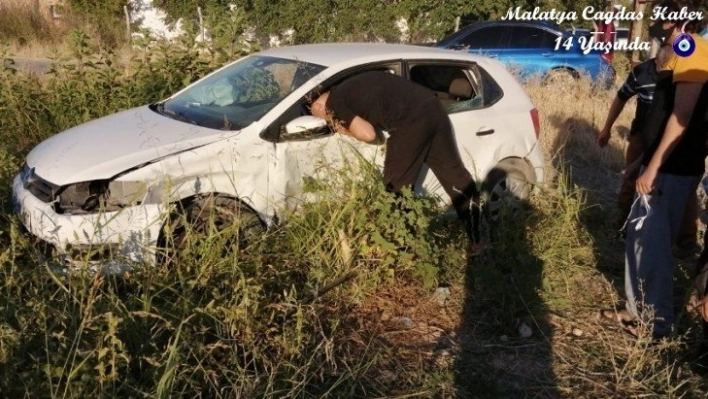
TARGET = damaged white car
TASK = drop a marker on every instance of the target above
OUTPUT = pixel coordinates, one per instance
(241, 139)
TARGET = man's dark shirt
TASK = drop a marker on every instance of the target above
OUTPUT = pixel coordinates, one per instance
(640, 82)
(383, 99)
(688, 157)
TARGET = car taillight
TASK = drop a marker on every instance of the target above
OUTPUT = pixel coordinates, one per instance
(536, 122)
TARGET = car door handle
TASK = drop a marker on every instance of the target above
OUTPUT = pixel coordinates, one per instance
(485, 132)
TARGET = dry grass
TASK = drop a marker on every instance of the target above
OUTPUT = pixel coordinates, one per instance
(30, 32)
(569, 123)
(551, 287)
(520, 321)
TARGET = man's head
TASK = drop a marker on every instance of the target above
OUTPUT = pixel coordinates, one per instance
(319, 106)
(665, 29)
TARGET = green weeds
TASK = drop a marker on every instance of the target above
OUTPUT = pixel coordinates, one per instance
(338, 301)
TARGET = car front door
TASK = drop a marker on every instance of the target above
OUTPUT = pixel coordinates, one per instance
(301, 159)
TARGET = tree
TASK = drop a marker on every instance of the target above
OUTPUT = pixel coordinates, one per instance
(108, 15)
(187, 9)
(363, 20)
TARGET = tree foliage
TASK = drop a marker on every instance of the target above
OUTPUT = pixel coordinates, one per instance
(106, 15)
(187, 9)
(103, 7)
(364, 20)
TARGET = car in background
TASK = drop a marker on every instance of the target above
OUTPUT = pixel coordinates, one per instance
(621, 35)
(532, 49)
(240, 143)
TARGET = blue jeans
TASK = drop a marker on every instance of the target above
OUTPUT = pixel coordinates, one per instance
(649, 263)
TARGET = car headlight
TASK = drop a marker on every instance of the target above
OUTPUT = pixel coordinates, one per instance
(100, 195)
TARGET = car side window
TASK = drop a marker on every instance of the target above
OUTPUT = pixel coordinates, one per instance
(491, 91)
(526, 37)
(454, 86)
(483, 38)
(277, 132)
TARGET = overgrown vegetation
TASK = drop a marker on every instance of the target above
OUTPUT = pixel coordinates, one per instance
(517, 321)
(338, 20)
(26, 23)
(310, 20)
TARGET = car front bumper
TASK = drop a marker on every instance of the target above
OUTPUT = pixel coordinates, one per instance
(110, 240)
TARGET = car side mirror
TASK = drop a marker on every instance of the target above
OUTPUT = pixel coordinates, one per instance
(304, 128)
(305, 123)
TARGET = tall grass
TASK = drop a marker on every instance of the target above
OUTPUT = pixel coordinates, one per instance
(342, 300)
(31, 32)
(25, 22)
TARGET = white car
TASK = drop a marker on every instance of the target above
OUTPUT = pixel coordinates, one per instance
(241, 141)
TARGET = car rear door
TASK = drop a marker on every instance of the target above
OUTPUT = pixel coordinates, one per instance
(530, 50)
(477, 125)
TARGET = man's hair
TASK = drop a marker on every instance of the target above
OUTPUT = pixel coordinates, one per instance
(313, 95)
(676, 6)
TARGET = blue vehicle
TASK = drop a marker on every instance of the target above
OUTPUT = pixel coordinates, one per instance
(533, 49)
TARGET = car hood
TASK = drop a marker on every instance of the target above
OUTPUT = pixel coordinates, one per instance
(105, 147)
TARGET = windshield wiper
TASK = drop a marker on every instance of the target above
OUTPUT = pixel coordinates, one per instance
(174, 114)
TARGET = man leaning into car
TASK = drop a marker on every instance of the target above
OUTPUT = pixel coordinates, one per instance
(420, 132)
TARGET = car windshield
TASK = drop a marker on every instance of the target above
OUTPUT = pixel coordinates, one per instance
(239, 95)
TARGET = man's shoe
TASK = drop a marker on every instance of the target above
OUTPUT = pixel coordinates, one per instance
(475, 249)
(686, 251)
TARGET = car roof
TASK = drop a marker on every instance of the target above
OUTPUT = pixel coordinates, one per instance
(330, 54)
(538, 24)
(467, 29)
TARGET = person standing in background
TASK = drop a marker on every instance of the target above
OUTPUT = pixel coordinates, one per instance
(674, 146)
(606, 32)
(641, 82)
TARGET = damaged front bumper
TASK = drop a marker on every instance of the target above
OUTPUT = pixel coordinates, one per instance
(108, 241)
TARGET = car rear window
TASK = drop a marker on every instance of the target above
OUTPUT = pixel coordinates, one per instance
(459, 88)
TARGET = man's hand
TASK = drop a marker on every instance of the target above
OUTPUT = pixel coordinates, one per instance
(603, 136)
(703, 308)
(645, 182)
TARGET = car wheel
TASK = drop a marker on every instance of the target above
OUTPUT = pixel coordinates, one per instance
(194, 222)
(507, 187)
(562, 79)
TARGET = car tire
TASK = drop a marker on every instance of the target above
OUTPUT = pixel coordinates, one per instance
(195, 220)
(507, 187)
(561, 78)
